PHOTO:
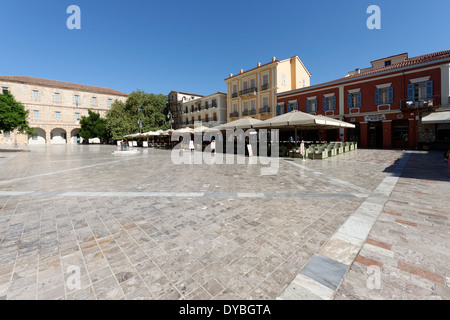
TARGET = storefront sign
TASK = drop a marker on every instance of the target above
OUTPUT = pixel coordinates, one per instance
(375, 118)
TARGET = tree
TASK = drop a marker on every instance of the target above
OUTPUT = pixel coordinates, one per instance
(93, 126)
(13, 115)
(147, 108)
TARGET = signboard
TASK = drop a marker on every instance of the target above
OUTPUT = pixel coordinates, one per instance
(145, 144)
(375, 118)
(250, 151)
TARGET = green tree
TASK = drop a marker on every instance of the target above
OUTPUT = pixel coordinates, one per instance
(13, 115)
(148, 108)
(93, 126)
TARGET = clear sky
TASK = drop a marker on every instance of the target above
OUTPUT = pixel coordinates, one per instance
(192, 46)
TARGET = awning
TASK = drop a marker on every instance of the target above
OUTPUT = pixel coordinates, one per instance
(436, 117)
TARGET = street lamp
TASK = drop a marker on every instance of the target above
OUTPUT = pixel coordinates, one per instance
(139, 121)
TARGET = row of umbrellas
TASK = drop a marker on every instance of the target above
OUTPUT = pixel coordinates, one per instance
(292, 119)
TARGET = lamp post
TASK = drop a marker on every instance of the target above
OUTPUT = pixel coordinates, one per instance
(139, 121)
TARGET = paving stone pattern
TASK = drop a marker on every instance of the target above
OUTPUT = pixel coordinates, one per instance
(143, 228)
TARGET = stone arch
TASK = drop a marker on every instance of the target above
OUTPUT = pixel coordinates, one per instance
(38, 137)
(75, 135)
(58, 136)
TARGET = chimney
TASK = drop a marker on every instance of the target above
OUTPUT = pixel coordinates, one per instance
(231, 75)
(358, 70)
(258, 64)
(241, 71)
(273, 59)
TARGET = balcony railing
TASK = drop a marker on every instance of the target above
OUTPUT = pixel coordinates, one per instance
(249, 91)
(264, 110)
(252, 112)
(434, 101)
(234, 114)
(245, 113)
(264, 86)
(234, 95)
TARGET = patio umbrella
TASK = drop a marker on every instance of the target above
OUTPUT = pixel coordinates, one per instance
(244, 123)
(184, 130)
(201, 129)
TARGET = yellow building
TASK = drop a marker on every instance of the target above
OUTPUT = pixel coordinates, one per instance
(252, 93)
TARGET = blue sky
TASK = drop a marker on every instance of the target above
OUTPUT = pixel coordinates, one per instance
(192, 46)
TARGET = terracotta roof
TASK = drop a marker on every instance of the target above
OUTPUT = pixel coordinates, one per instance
(61, 85)
(408, 62)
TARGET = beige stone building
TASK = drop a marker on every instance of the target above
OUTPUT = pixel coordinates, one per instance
(211, 110)
(56, 107)
(252, 93)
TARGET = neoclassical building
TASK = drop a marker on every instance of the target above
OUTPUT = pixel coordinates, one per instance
(56, 107)
(211, 110)
(253, 93)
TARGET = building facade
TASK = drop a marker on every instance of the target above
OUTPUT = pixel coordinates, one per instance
(211, 110)
(252, 93)
(399, 102)
(55, 108)
(175, 100)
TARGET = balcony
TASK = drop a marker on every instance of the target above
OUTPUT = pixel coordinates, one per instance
(264, 110)
(248, 92)
(234, 114)
(419, 104)
(234, 95)
(264, 87)
(245, 113)
(252, 112)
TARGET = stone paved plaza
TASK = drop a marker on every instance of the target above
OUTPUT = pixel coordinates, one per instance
(368, 224)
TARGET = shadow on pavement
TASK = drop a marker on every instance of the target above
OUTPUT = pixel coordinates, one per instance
(427, 165)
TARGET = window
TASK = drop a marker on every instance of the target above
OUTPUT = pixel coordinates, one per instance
(35, 94)
(77, 116)
(57, 97)
(420, 91)
(245, 108)
(110, 102)
(265, 80)
(283, 79)
(58, 115)
(245, 85)
(253, 107)
(77, 99)
(94, 100)
(36, 114)
(311, 106)
(234, 88)
(252, 83)
(329, 103)
(5, 90)
(384, 95)
(235, 108)
(265, 102)
(354, 100)
(387, 63)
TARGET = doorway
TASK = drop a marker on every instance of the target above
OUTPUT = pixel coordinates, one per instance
(375, 133)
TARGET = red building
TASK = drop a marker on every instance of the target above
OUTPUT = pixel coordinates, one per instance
(398, 102)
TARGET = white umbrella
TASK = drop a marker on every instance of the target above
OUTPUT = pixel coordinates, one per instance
(244, 123)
